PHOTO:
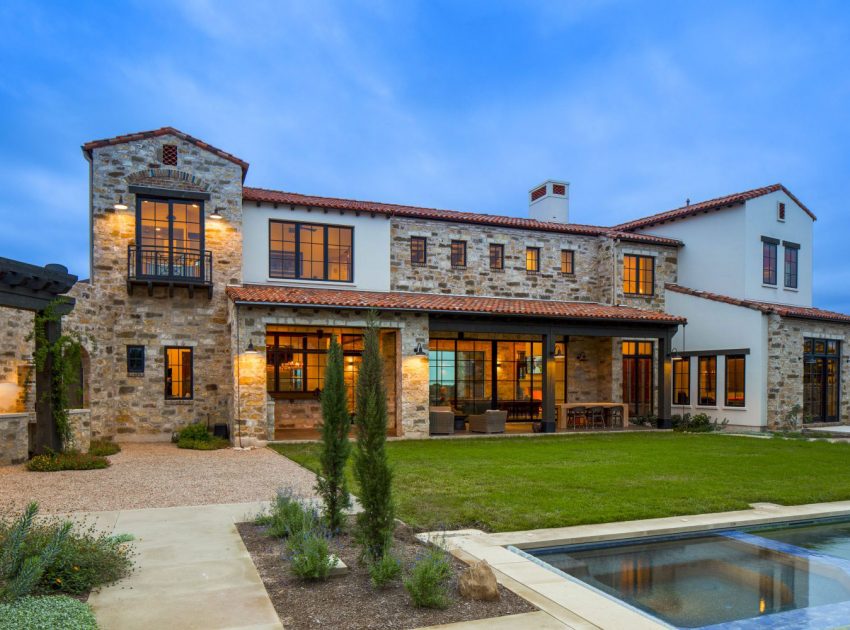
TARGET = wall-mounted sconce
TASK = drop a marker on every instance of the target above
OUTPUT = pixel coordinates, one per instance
(216, 215)
(581, 357)
(558, 352)
(118, 205)
(420, 351)
(251, 349)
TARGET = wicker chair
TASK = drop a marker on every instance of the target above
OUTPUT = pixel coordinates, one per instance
(441, 421)
(491, 421)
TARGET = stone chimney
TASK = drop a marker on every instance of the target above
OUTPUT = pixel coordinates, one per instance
(550, 201)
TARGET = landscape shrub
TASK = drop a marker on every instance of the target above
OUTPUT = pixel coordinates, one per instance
(198, 437)
(47, 613)
(331, 483)
(310, 557)
(70, 460)
(288, 517)
(102, 448)
(698, 423)
(429, 579)
(384, 571)
(73, 560)
(376, 522)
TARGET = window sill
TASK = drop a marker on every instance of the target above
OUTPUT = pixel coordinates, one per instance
(792, 289)
(179, 401)
(728, 408)
(769, 286)
(318, 283)
(709, 407)
(497, 269)
(639, 295)
(135, 374)
(569, 274)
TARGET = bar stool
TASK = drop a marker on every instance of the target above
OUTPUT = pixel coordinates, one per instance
(616, 417)
(597, 417)
(574, 415)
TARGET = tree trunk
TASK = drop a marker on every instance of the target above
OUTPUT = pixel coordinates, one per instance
(46, 433)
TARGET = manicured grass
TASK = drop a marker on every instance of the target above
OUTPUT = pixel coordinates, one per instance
(504, 484)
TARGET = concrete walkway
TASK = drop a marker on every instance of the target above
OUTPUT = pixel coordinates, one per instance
(192, 571)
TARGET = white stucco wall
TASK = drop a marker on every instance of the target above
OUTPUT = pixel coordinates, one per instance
(371, 245)
(718, 326)
(712, 258)
(798, 227)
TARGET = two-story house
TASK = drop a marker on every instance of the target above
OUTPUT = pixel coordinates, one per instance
(754, 350)
(213, 301)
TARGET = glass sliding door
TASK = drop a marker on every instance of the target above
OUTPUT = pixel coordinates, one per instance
(637, 377)
(821, 380)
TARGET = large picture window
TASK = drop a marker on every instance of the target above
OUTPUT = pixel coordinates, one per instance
(178, 373)
(736, 366)
(768, 260)
(311, 251)
(170, 238)
(296, 360)
(638, 275)
(682, 381)
(708, 381)
(821, 380)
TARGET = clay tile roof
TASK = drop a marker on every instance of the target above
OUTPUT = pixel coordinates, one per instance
(708, 206)
(263, 195)
(783, 310)
(164, 131)
(432, 303)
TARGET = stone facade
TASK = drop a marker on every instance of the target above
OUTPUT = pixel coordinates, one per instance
(14, 437)
(785, 364)
(130, 406)
(16, 379)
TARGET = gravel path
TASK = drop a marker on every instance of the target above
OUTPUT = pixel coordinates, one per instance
(157, 475)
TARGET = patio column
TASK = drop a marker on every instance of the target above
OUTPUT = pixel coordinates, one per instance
(549, 381)
(665, 409)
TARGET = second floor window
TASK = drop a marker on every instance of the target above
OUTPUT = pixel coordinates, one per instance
(735, 380)
(638, 275)
(568, 258)
(418, 251)
(768, 261)
(791, 255)
(532, 259)
(708, 381)
(135, 359)
(311, 251)
(458, 254)
(497, 256)
(682, 381)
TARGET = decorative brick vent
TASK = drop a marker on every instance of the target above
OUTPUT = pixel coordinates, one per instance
(537, 194)
(559, 189)
(169, 154)
(780, 211)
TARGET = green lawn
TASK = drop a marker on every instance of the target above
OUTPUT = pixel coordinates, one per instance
(504, 484)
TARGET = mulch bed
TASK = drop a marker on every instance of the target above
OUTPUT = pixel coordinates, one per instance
(350, 601)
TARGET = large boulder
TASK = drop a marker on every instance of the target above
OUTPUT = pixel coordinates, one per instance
(478, 582)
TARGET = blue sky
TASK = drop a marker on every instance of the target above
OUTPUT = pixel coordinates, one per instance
(461, 105)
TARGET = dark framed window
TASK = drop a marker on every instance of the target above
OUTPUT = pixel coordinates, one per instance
(311, 251)
(458, 253)
(638, 275)
(768, 260)
(681, 381)
(736, 380)
(179, 372)
(638, 377)
(532, 259)
(821, 380)
(135, 359)
(418, 251)
(295, 362)
(708, 381)
(497, 256)
(568, 259)
(780, 211)
(792, 252)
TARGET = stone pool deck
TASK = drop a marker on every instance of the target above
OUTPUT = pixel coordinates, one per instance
(568, 601)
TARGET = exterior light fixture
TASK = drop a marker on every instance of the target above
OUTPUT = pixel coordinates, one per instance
(420, 351)
(119, 205)
(251, 349)
(581, 356)
(558, 352)
(216, 215)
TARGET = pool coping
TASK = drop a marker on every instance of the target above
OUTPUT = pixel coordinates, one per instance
(577, 605)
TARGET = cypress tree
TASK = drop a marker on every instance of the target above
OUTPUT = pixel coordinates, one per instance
(331, 483)
(375, 524)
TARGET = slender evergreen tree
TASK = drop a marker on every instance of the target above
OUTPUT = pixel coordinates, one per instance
(336, 421)
(375, 524)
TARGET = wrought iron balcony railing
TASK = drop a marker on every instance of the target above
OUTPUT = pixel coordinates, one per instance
(172, 266)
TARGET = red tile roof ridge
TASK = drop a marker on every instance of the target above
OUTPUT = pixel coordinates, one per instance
(717, 203)
(783, 310)
(164, 131)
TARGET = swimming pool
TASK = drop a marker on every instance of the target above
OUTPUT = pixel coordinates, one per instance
(795, 575)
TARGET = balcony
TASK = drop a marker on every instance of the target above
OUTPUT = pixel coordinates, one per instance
(157, 265)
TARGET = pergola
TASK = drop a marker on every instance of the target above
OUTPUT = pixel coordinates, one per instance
(32, 288)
